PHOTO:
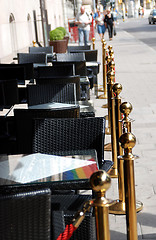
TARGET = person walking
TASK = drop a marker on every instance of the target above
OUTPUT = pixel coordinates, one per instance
(99, 20)
(83, 20)
(109, 20)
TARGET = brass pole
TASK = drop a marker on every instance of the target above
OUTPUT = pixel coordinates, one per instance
(109, 94)
(110, 65)
(117, 88)
(119, 207)
(108, 146)
(93, 41)
(126, 108)
(128, 141)
(34, 43)
(100, 183)
(114, 171)
(110, 47)
(104, 89)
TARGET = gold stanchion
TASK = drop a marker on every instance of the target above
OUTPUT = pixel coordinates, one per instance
(114, 171)
(128, 141)
(104, 89)
(110, 68)
(117, 88)
(93, 41)
(34, 43)
(100, 183)
(109, 94)
(108, 146)
(110, 47)
(126, 108)
(119, 207)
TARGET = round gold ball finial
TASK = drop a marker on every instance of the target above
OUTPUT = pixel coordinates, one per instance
(126, 108)
(110, 47)
(127, 140)
(112, 64)
(103, 40)
(117, 88)
(93, 39)
(100, 181)
(108, 59)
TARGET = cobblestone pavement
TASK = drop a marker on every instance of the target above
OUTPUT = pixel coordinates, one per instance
(135, 65)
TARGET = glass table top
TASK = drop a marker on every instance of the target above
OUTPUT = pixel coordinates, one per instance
(36, 168)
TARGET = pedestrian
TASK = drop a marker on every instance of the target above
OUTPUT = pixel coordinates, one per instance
(99, 20)
(83, 20)
(109, 21)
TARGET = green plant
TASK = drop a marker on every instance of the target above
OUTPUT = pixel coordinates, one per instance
(62, 29)
(56, 34)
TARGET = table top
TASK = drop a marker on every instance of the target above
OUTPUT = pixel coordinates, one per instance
(84, 106)
(40, 168)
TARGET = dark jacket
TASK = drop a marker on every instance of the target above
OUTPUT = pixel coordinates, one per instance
(108, 20)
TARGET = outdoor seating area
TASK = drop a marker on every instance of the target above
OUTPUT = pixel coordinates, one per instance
(53, 160)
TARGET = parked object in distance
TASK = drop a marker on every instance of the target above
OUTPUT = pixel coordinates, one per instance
(152, 17)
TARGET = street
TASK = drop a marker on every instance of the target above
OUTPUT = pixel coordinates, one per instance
(140, 29)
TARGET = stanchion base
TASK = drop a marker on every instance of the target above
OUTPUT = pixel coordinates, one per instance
(108, 147)
(113, 172)
(108, 131)
(100, 90)
(102, 96)
(139, 206)
(119, 208)
(105, 106)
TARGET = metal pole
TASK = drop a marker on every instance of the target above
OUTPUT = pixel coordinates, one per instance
(128, 141)
(114, 171)
(120, 206)
(104, 89)
(100, 183)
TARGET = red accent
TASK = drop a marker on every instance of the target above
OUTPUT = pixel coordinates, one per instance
(73, 30)
(68, 232)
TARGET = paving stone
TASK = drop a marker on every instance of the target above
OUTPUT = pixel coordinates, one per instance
(135, 64)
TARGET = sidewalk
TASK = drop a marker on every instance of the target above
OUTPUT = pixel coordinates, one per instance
(135, 65)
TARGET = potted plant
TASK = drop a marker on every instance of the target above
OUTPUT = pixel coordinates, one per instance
(58, 40)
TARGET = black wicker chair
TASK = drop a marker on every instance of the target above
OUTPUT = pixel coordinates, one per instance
(54, 136)
(53, 71)
(21, 72)
(24, 123)
(41, 49)
(51, 92)
(54, 81)
(26, 215)
(78, 134)
(90, 55)
(70, 57)
(80, 66)
(71, 48)
(35, 58)
(8, 93)
(92, 69)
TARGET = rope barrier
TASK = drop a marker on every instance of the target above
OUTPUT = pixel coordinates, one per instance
(68, 232)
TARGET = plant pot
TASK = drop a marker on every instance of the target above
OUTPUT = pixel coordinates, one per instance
(59, 46)
(67, 39)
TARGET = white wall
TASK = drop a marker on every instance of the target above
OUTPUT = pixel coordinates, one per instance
(17, 37)
(55, 13)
